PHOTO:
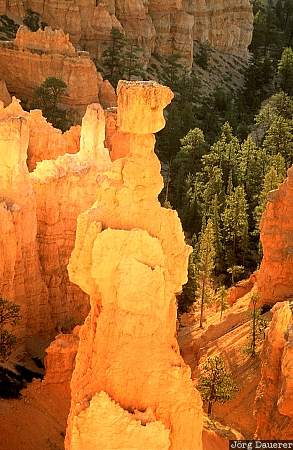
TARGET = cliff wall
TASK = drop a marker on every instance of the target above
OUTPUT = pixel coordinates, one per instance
(38, 217)
(158, 27)
(273, 403)
(32, 57)
(274, 279)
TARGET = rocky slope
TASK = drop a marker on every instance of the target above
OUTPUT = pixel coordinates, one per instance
(158, 27)
(274, 279)
(130, 386)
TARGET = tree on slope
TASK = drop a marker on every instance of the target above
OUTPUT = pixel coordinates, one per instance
(285, 71)
(9, 316)
(206, 264)
(215, 382)
(47, 97)
(258, 325)
(235, 226)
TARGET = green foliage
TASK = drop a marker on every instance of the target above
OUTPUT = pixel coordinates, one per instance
(235, 226)
(285, 71)
(202, 55)
(221, 300)
(257, 329)
(206, 265)
(121, 59)
(279, 140)
(186, 299)
(47, 97)
(32, 20)
(235, 272)
(8, 28)
(9, 316)
(215, 382)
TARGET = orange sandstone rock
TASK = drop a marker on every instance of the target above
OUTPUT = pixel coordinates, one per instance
(159, 27)
(4, 94)
(45, 141)
(131, 258)
(38, 218)
(273, 403)
(20, 271)
(274, 279)
(241, 288)
(42, 54)
(60, 358)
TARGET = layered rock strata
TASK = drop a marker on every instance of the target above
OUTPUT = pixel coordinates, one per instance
(130, 387)
(38, 218)
(162, 28)
(274, 400)
(274, 279)
(26, 62)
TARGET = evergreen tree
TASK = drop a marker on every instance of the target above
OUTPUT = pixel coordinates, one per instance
(271, 182)
(186, 299)
(47, 97)
(122, 59)
(235, 226)
(9, 316)
(285, 71)
(279, 139)
(221, 299)
(257, 330)
(278, 105)
(215, 382)
(206, 264)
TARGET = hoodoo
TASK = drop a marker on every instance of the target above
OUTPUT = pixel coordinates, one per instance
(130, 387)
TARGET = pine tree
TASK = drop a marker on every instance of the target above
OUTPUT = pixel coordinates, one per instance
(257, 329)
(47, 97)
(251, 160)
(206, 264)
(279, 139)
(285, 71)
(221, 299)
(235, 226)
(187, 297)
(113, 59)
(215, 382)
(271, 182)
(9, 316)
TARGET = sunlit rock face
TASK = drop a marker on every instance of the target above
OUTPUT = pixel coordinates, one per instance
(274, 279)
(20, 270)
(159, 27)
(60, 358)
(130, 387)
(38, 217)
(37, 56)
(274, 401)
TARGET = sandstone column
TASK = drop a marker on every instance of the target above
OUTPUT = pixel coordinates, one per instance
(130, 387)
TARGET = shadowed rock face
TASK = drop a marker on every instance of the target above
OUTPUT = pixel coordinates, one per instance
(130, 386)
(160, 27)
(274, 402)
(274, 279)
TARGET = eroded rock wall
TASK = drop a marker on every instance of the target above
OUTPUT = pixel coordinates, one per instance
(130, 386)
(274, 279)
(38, 216)
(26, 62)
(20, 270)
(161, 27)
(273, 403)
